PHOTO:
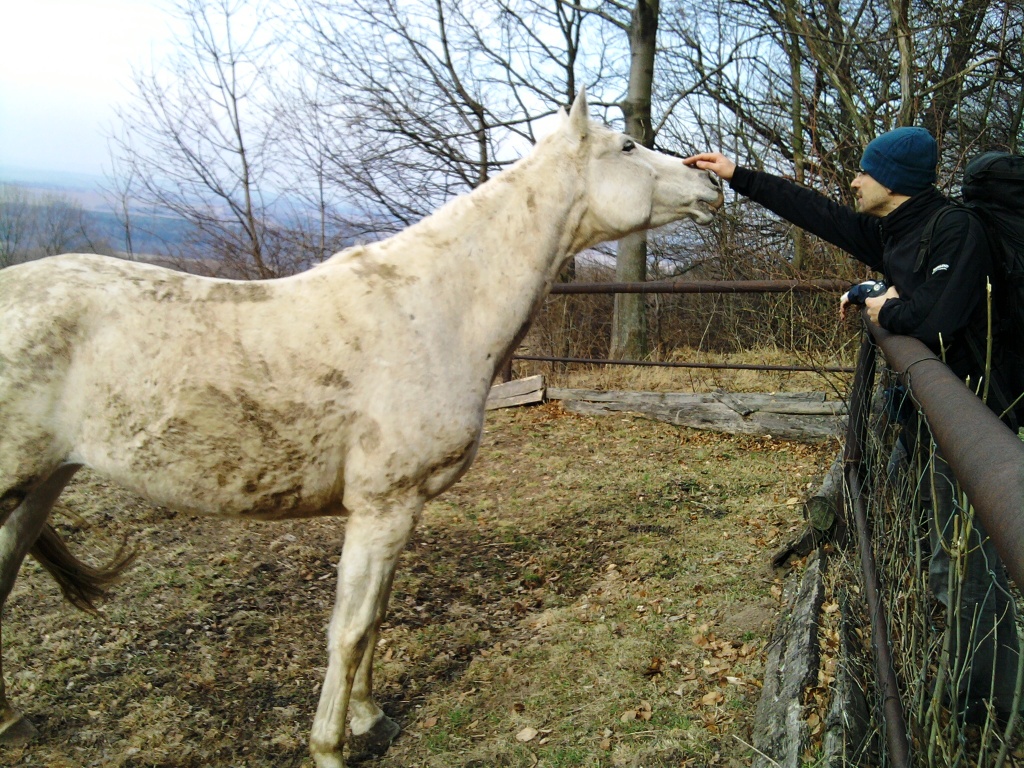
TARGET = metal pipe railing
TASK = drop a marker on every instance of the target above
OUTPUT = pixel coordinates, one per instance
(699, 287)
(707, 286)
(986, 457)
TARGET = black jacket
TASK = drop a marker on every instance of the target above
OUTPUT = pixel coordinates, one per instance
(943, 303)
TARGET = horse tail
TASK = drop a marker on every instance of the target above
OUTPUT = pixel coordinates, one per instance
(80, 583)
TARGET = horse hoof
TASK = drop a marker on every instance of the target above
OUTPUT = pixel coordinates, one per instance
(374, 742)
(17, 731)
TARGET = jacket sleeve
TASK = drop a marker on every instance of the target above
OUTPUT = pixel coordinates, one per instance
(858, 234)
(955, 273)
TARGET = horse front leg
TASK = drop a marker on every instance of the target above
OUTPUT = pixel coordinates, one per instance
(372, 730)
(374, 538)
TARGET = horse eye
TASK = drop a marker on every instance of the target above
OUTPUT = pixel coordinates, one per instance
(629, 146)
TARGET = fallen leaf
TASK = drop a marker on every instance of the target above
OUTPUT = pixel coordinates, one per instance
(712, 698)
(527, 734)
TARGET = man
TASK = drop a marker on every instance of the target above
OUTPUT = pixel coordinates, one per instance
(941, 301)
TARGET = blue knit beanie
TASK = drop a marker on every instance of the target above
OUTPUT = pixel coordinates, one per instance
(902, 160)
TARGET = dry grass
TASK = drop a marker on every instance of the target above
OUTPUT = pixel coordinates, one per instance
(657, 379)
(595, 592)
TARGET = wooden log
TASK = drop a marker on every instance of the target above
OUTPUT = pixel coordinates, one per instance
(708, 413)
(700, 415)
(821, 508)
(780, 730)
(516, 392)
(847, 739)
(798, 403)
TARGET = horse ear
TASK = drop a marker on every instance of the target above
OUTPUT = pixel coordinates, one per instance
(579, 116)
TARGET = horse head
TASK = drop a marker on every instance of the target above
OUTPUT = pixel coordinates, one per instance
(627, 187)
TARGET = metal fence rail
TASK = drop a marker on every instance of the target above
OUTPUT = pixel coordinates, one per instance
(706, 286)
(987, 459)
(697, 287)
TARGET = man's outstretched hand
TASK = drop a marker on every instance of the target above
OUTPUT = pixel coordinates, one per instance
(715, 162)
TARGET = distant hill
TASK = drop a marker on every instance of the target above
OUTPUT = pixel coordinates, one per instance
(150, 233)
(83, 188)
(153, 231)
(35, 177)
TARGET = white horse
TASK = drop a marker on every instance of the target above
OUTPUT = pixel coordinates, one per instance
(356, 388)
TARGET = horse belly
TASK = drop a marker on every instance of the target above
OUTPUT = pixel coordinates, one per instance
(200, 449)
(264, 485)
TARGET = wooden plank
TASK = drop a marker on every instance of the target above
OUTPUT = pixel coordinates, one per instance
(510, 402)
(517, 387)
(798, 426)
(517, 392)
(635, 398)
(827, 408)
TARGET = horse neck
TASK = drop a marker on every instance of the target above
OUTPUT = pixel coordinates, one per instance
(523, 222)
(496, 251)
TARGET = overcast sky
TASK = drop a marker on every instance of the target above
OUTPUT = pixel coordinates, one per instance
(64, 65)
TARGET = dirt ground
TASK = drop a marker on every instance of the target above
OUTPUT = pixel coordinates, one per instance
(595, 592)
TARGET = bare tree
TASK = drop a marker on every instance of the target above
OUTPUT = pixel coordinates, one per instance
(197, 136)
(121, 191)
(629, 324)
(17, 224)
(853, 70)
(415, 113)
(60, 226)
(800, 86)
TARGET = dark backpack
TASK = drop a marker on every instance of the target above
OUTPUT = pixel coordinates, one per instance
(993, 189)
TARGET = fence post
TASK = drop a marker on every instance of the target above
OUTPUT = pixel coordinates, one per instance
(897, 743)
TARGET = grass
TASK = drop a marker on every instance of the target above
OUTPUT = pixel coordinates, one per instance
(599, 585)
(655, 379)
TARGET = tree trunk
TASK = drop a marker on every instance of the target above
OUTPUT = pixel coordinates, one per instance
(629, 325)
(792, 42)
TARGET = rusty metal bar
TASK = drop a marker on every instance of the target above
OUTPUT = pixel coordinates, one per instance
(896, 740)
(655, 364)
(707, 286)
(857, 423)
(897, 743)
(695, 286)
(984, 454)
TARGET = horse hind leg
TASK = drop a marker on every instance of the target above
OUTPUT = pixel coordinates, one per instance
(26, 530)
(17, 536)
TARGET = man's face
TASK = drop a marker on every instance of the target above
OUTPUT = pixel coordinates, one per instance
(872, 197)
